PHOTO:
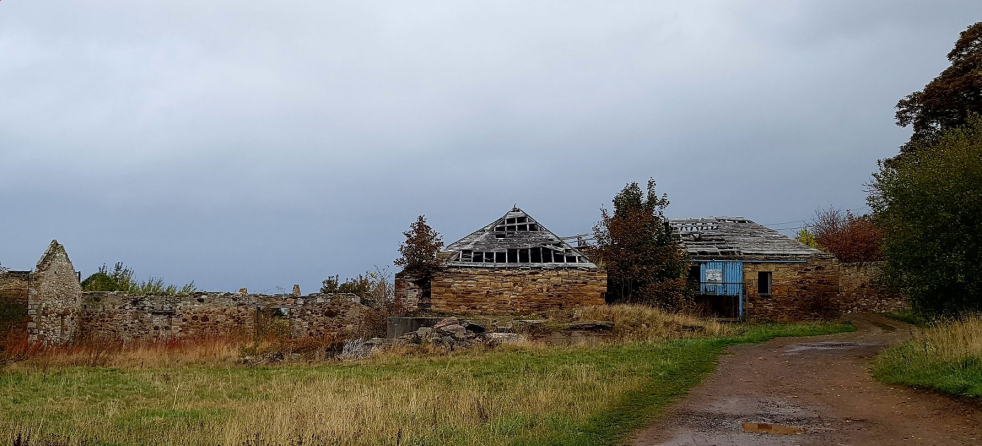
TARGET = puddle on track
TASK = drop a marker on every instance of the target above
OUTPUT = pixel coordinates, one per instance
(769, 428)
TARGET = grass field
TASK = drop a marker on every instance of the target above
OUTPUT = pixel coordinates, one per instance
(944, 356)
(522, 395)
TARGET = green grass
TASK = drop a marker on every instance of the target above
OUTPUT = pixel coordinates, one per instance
(909, 317)
(944, 356)
(551, 396)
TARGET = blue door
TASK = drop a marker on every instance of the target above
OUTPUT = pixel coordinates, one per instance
(721, 278)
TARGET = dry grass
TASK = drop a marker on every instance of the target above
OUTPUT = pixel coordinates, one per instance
(198, 391)
(484, 398)
(634, 323)
(945, 356)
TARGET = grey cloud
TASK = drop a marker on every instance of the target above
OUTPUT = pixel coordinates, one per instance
(265, 144)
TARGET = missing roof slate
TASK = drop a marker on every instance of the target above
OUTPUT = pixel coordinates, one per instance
(516, 240)
(737, 237)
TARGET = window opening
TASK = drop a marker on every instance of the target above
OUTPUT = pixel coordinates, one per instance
(523, 256)
(764, 283)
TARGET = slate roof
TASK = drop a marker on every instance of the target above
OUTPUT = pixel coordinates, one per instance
(737, 238)
(516, 240)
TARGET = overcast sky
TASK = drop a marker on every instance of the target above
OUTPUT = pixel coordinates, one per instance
(262, 144)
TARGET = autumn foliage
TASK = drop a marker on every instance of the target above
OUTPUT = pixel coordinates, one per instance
(849, 237)
(636, 246)
(419, 251)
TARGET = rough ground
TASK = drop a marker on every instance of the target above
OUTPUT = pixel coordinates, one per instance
(821, 384)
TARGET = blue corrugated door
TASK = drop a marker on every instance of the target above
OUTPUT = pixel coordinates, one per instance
(721, 278)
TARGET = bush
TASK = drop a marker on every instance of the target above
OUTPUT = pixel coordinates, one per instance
(928, 206)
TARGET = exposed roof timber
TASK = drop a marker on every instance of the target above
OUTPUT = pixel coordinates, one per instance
(516, 233)
(737, 237)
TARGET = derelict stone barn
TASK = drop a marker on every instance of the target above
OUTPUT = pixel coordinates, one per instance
(744, 269)
(513, 265)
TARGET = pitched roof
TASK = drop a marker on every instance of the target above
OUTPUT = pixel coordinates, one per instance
(515, 240)
(737, 237)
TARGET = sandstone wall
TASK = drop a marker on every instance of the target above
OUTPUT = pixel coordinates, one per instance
(860, 292)
(124, 317)
(410, 292)
(54, 298)
(515, 291)
(799, 291)
(13, 287)
(13, 302)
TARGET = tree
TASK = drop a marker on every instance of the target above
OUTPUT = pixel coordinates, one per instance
(948, 100)
(419, 251)
(642, 256)
(848, 237)
(928, 207)
(807, 238)
(121, 279)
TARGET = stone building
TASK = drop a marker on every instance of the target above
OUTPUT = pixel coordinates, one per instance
(514, 265)
(54, 298)
(746, 270)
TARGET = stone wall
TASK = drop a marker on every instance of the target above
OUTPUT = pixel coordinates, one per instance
(411, 292)
(515, 291)
(861, 292)
(54, 298)
(13, 287)
(799, 291)
(124, 317)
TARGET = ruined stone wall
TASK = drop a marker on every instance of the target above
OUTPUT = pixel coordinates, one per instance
(54, 298)
(860, 291)
(515, 291)
(410, 293)
(13, 287)
(124, 317)
(799, 291)
(13, 302)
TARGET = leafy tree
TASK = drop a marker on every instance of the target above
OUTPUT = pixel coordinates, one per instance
(641, 254)
(929, 208)
(419, 251)
(806, 237)
(948, 100)
(848, 237)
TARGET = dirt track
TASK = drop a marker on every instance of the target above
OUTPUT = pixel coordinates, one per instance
(821, 384)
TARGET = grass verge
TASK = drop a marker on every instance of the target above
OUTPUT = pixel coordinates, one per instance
(526, 396)
(944, 356)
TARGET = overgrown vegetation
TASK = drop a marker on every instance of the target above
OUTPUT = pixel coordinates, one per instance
(928, 207)
(946, 356)
(636, 246)
(518, 395)
(120, 279)
(849, 237)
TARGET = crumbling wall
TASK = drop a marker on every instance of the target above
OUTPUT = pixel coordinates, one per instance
(515, 291)
(14, 286)
(13, 302)
(799, 291)
(125, 317)
(54, 298)
(412, 293)
(861, 292)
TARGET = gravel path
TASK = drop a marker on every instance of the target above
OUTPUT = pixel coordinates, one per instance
(820, 385)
